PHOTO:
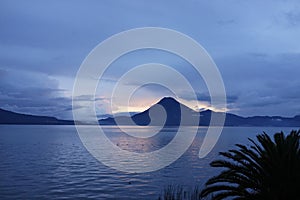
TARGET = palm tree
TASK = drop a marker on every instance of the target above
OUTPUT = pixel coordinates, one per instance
(268, 170)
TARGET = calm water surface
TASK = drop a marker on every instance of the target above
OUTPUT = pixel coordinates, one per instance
(50, 162)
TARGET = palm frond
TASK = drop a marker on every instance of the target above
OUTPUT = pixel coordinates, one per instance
(268, 169)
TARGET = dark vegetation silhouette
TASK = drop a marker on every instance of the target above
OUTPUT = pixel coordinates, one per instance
(267, 170)
(264, 170)
(173, 192)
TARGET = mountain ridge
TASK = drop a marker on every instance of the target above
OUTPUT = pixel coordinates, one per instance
(172, 106)
(173, 109)
(9, 117)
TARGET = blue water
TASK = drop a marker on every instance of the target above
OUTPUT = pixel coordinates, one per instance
(50, 162)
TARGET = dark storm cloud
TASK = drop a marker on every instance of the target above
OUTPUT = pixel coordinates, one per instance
(33, 93)
(254, 44)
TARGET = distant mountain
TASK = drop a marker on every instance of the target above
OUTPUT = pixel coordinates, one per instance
(8, 117)
(104, 116)
(174, 110)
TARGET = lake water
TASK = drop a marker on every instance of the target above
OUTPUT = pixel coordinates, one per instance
(50, 162)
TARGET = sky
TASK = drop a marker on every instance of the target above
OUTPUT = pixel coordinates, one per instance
(255, 45)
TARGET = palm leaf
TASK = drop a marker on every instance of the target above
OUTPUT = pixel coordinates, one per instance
(269, 169)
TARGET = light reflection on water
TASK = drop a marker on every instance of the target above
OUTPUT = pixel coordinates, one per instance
(51, 162)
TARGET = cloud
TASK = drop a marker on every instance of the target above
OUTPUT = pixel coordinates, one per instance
(254, 44)
(205, 97)
(32, 93)
(226, 22)
(293, 17)
(89, 98)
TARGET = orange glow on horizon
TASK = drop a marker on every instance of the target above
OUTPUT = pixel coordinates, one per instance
(144, 104)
